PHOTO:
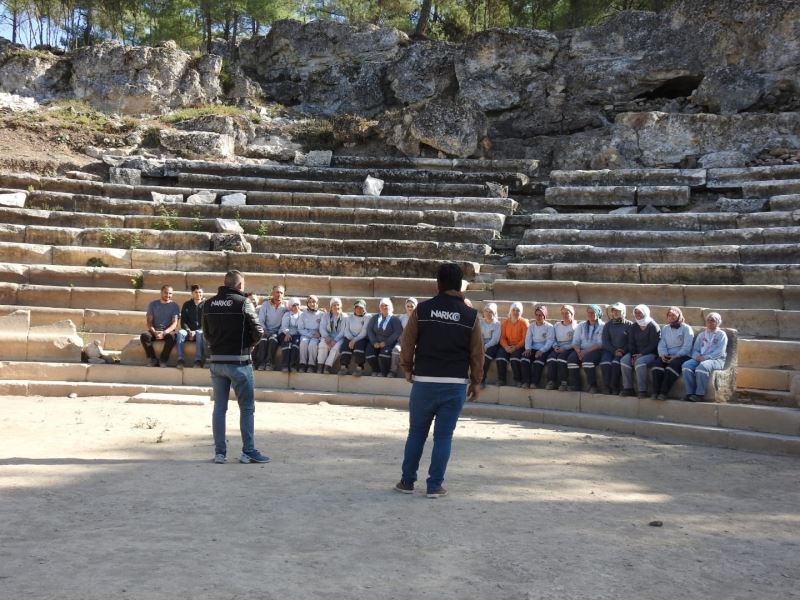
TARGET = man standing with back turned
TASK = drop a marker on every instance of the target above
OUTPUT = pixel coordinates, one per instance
(442, 354)
(231, 326)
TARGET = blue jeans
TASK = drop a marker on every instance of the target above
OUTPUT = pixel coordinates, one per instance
(183, 336)
(442, 401)
(695, 374)
(241, 378)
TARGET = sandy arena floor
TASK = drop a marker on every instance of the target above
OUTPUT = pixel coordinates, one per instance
(101, 499)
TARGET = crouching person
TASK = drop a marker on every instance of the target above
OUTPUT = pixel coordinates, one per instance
(383, 331)
(587, 347)
(354, 341)
(708, 354)
(331, 331)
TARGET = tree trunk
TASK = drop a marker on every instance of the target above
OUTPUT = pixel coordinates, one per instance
(421, 30)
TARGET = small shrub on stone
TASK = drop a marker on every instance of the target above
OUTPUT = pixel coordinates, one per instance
(96, 262)
(137, 281)
(167, 221)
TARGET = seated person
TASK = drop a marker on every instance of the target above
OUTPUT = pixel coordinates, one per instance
(191, 331)
(411, 305)
(564, 332)
(331, 331)
(490, 332)
(383, 331)
(354, 341)
(615, 346)
(538, 342)
(642, 352)
(512, 345)
(673, 350)
(291, 336)
(587, 347)
(162, 323)
(308, 327)
(270, 315)
(708, 354)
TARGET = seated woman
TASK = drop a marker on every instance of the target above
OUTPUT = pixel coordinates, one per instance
(490, 331)
(354, 340)
(642, 349)
(564, 331)
(383, 331)
(538, 342)
(512, 344)
(587, 347)
(615, 346)
(411, 305)
(291, 336)
(673, 350)
(331, 331)
(708, 354)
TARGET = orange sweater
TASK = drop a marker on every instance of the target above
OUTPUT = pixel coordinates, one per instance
(513, 333)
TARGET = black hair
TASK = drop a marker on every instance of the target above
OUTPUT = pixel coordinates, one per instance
(195, 287)
(449, 277)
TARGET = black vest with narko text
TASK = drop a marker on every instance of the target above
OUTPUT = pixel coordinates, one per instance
(443, 340)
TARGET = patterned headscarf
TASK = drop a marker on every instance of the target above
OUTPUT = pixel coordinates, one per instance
(680, 320)
(542, 308)
(598, 312)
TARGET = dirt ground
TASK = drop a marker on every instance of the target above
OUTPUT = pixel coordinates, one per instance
(102, 499)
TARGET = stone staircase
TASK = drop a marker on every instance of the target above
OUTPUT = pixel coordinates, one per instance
(96, 253)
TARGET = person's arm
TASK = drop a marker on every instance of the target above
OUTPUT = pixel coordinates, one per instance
(253, 328)
(396, 331)
(408, 345)
(606, 340)
(286, 323)
(371, 329)
(662, 346)
(577, 339)
(185, 316)
(495, 339)
(175, 316)
(475, 363)
(597, 338)
(688, 337)
(653, 336)
(549, 340)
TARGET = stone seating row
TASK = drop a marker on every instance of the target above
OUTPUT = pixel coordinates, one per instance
(694, 178)
(616, 196)
(516, 165)
(688, 221)
(676, 273)
(785, 202)
(197, 260)
(155, 239)
(773, 254)
(768, 189)
(36, 183)
(659, 239)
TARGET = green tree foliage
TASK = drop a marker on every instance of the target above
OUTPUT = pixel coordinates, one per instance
(194, 23)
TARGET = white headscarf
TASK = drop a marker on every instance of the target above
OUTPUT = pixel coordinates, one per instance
(491, 306)
(646, 312)
(515, 305)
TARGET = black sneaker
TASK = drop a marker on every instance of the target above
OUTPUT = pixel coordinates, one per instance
(154, 362)
(179, 364)
(437, 493)
(198, 364)
(403, 487)
(253, 457)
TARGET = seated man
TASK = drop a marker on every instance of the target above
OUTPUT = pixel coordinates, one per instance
(270, 315)
(191, 320)
(162, 323)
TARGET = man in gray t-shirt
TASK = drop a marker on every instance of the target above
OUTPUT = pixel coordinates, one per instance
(162, 324)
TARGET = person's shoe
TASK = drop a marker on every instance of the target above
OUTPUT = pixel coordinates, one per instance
(198, 364)
(154, 362)
(267, 367)
(254, 457)
(627, 392)
(391, 374)
(219, 459)
(562, 387)
(179, 364)
(661, 397)
(695, 398)
(532, 386)
(500, 383)
(342, 371)
(592, 389)
(403, 487)
(320, 369)
(284, 369)
(483, 384)
(550, 386)
(358, 372)
(377, 374)
(163, 363)
(642, 395)
(437, 493)
(525, 386)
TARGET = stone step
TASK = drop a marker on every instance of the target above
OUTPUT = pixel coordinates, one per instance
(766, 380)
(616, 196)
(526, 166)
(662, 222)
(154, 239)
(681, 273)
(771, 398)
(336, 187)
(775, 254)
(659, 239)
(193, 260)
(762, 297)
(342, 231)
(785, 202)
(630, 177)
(734, 177)
(766, 189)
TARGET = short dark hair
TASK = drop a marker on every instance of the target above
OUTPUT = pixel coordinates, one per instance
(449, 277)
(232, 278)
(195, 287)
(165, 287)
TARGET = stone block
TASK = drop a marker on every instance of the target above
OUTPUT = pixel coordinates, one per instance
(159, 198)
(770, 274)
(766, 419)
(483, 410)
(273, 380)
(764, 442)
(154, 279)
(44, 295)
(734, 296)
(80, 256)
(314, 382)
(514, 396)
(195, 377)
(789, 324)
(122, 176)
(11, 273)
(701, 254)
(590, 196)
(41, 316)
(303, 285)
(404, 286)
(766, 189)
(590, 293)
(54, 236)
(679, 433)
(8, 293)
(114, 321)
(211, 281)
(43, 371)
(564, 292)
(13, 199)
(118, 278)
(741, 205)
(228, 226)
(769, 354)
(177, 399)
(56, 342)
(60, 275)
(14, 388)
(707, 274)
(26, 254)
(134, 374)
(154, 259)
(662, 195)
(788, 202)
(589, 421)
(617, 272)
(763, 379)
(367, 384)
(53, 388)
(195, 260)
(749, 321)
(530, 271)
(770, 254)
(201, 198)
(555, 400)
(678, 411)
(352, 286)
(237, 199)
(604, 404)
(259, 262)
(479, 220)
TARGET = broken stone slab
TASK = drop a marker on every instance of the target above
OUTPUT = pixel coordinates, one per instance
(775, 187)
(723, 160)
(314, 158)
(14, 199)
(166, 198)
(649, 210)
(591, 196)
(228, 226)
(624, 210)
(162, 398)
(204, 197)
(237, 199)
(56, 342)
(196, 144)
(741, 205)
(14, 334)
(496, 190)
(662, 195)
(372, 186)
(233, 242)
(123, 176)
(82, 176)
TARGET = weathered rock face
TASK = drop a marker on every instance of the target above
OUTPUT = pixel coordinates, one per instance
(239, 128)
(323, 67)
(197, 144)
(142, 80)
(31, 73)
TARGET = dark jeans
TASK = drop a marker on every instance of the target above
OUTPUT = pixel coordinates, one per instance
(504, 358)
(589, 363)
(380, 359)
(147, 342)
(358, 351)
(533, 367)
(291, 351)
(612, 370)
(489, 354)
(442, 402)
(557, 366)
(666, 374)
(241, 378)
